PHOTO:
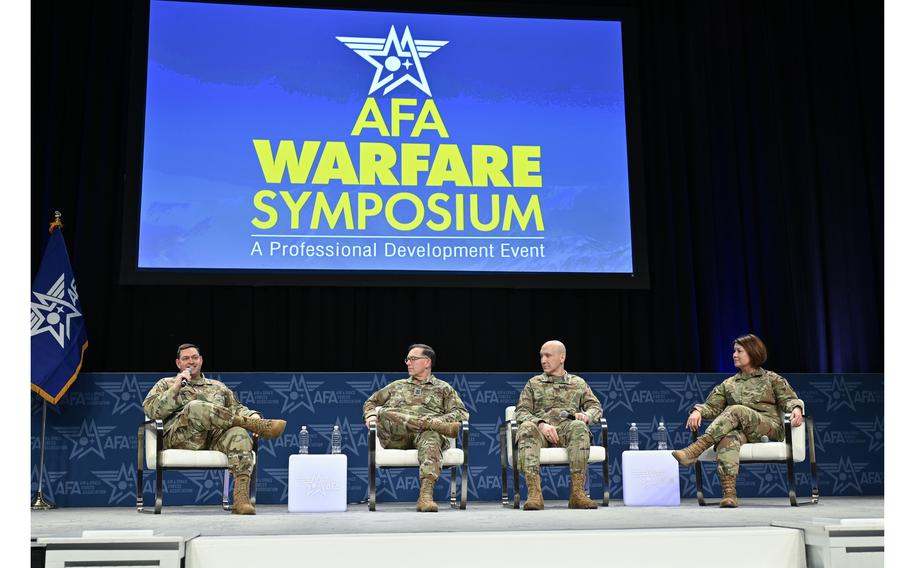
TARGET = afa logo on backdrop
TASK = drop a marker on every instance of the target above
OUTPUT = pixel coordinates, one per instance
(295, 393)
(88, 438)
(614, 393)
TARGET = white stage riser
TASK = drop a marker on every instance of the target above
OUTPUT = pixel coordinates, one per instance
(753, 547)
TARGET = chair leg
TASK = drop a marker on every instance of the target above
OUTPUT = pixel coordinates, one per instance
(791, 478)
(225, 499)
(159, 470)
(791, 484)
(604, 441)
(503, 463)
(140, 463)
(453, 474)
(371, 468)
(811, 426)
(139, 496)
(699, 488)
(516, 498)
(465, 471)
(159, 490)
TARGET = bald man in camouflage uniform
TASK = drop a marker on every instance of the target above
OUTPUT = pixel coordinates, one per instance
(419, 412)
(543, 399)
(204, 414)
(744, 408)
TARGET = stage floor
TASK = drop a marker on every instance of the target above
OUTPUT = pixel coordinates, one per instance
(401, 518)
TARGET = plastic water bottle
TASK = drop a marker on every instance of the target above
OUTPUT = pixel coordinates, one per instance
(303, 441)
(336, 440)
(633, 437)
(661, 436)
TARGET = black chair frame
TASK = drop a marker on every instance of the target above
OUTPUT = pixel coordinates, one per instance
(460, 503)
(791, 475)
(159, 470)
(515, 501)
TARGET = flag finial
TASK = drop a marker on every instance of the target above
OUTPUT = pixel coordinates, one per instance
(56, 223)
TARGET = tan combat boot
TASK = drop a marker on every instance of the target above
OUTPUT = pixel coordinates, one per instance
(264, 428)
(689, 454)
(242, 505)
(447, 429)
(535, 495)
(728, 483)
(425, 503)
(578, 499)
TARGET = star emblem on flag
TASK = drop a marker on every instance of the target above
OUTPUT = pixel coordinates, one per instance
(51, 311)
(397, 60)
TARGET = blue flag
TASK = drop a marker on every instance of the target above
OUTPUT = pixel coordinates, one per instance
(58, 329)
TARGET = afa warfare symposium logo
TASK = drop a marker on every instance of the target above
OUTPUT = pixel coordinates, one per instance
(396, 59)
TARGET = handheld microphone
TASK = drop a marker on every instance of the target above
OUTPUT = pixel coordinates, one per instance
(183, 382)
(565, 415)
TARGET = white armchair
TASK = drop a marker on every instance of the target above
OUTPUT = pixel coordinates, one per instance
(452, 458)
(508, 451)
(790, 451)
(153, 455)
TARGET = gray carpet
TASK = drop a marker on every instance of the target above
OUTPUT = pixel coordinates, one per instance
(479, 516)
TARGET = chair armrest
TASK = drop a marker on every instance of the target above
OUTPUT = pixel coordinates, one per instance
(603, 431)
(465, 438)
(465, 430)
(371, 444)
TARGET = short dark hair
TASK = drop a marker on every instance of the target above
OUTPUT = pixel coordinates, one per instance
(427, 351)
(188, 346)
(754, 347)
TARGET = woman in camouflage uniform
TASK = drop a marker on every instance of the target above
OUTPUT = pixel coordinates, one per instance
(744, 408)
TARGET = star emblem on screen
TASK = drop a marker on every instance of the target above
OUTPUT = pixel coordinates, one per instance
(396, 59)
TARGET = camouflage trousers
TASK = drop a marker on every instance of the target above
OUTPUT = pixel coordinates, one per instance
(399, 431)
(202, 425)
(735, 426)
(574, 436)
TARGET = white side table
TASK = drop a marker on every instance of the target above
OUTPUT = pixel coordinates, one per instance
(317, 483)
(650, 478)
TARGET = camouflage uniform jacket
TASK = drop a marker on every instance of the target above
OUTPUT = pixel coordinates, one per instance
(432, 397)
(766, 392)
(162, 403)
(545, 396)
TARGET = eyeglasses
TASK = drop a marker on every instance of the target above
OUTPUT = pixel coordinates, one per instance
(412, 358)
(189, 358)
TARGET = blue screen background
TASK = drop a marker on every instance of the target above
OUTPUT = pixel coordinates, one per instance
(220, 76)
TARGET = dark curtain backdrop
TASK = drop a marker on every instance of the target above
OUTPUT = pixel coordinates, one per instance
(762, 151)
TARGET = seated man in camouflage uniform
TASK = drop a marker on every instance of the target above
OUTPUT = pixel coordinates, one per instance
(204, 414)
(419, 412)
(554, 409)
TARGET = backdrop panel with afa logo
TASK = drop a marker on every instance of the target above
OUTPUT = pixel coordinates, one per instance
(91, 433)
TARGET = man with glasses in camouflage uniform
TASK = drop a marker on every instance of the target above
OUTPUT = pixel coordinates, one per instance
(419, 412)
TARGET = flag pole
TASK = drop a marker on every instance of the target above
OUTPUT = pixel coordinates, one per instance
(40, 503)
